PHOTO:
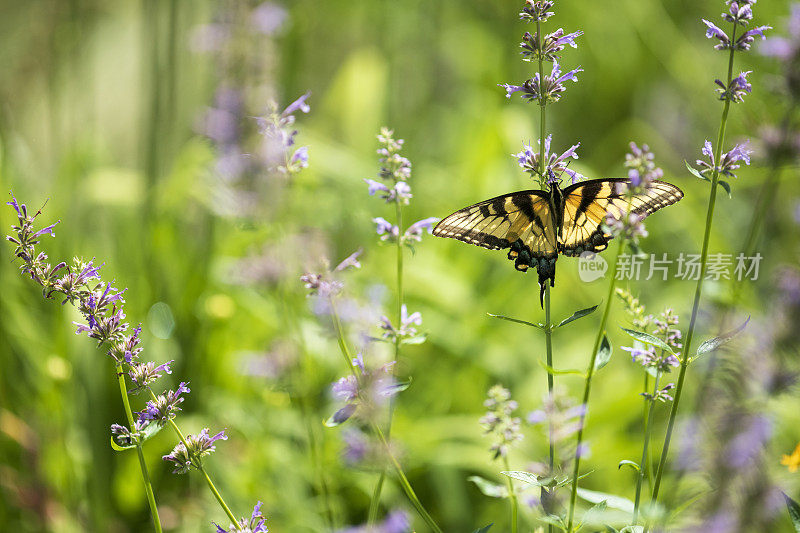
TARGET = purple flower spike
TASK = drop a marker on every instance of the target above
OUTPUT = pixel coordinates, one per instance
(728, 162)
(550, 91)
(556, 164)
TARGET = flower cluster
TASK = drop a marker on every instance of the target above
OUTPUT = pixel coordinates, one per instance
(536, 10)
(199, 446)
(743, 42)
(389, 232)
(642, 170)
(729, 161)
(545, 92)
(499, 422)
(665, 329)
(257, 523)
(143, 374)
(556, 165)
(364, 391)
(736, 90)
(277, 127)
(551, 45)
(163, 408)
(406, 329)
(325, 286)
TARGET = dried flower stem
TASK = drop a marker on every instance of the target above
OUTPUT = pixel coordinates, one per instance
(712, 197)
(148, 487)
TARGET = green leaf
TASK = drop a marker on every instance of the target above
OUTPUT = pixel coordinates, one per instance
(555, 372)
(631, 464)
(597, 509)
(554, 520)
(613, 501)
(493, 490)
(610, 529)
(648, 339)
(418, 339)
(501, 317)
(603, 354)
(725, 185)
(716, 342)
(147, 433)
(576, 315)
(696, 173)
(484, 529)
(794, 511)
(525, 477)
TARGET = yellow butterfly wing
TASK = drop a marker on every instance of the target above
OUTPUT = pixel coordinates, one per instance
(522, 221)
(587, 203)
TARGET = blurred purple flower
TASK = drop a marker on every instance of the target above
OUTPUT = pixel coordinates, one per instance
(641, 164)
(351, 261)
(407, 323)
(749, 444)
(498, 421)
(257, 523)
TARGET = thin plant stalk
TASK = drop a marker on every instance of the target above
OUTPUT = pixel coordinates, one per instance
(712, 197)
(374, 503)
(401, 476)
(512, 494)
(202, 469)
(548, 333)
(643, 466)
(148, 487)
(588, 385)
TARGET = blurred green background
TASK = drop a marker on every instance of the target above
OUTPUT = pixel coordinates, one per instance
(100, 106)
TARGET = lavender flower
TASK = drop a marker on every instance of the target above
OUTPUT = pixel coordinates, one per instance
(739, 12)
(743, 42)
(365, 392)
(556, 165)
(387, 230)
(549, 91)
(200, 445)
(143, 374)
(498, 422)
(536, 10)
(407, 327)
(624, 225)
(738, 87)
(357, 446)
(123, 436)
(257, 523)
(552, 44)
(415, 230)
(164, 407)
(642, 169)
(728, 162)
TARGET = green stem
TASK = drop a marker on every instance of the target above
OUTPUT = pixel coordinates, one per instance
(712, 197)
(148, 487)
(406, 486)
(200, 467)
(513, 495)
(376, 494)
(548, 337)
(588, 385)
(643, 464)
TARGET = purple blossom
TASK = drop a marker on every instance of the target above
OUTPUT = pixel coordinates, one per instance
(744, 42)
(407, 325)
(415, 230)
(536, 10)
(738, 87)
(550, 91)
(739, 12)
(628, 226)
(642, 169)
(648, 357)
(387, 230)
(143, 374)
(298, 105)
(364, 393)
(123, 436)
(553, 44)
(748, 444)
(351, 261)
(200, 445)
(299, 159)
(400, 192)
(357, 446)
(346, 389)
(257, 523)
(729, 161)
(528, 160)
(163, 408)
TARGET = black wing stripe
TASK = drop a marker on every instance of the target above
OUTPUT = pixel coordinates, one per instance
(588, 195)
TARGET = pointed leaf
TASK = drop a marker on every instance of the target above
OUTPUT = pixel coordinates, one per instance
(613, 501)
(603, 354)
(631, 464)
(554, 520)
(525, 477)
(576, 315)
(649, 339)
(484, 529)
(597, 509)
(725, 185)
(493, 490)
(716, 342)
(696, 173)
(555, 372)
(501, 317)
(794, 511)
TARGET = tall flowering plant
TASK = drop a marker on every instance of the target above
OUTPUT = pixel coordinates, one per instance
(102, 307)
(715, 166)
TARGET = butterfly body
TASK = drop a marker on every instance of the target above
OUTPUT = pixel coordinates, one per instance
(538, 225)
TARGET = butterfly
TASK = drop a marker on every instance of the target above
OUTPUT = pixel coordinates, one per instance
(538, 225)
